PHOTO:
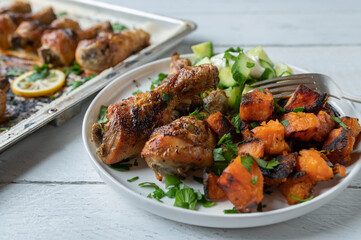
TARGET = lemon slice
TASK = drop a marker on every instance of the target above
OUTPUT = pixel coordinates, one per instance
(41, 87)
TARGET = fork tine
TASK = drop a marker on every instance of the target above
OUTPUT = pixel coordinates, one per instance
(289, 83)
(289, 89)
(290, 77)
(282, 95)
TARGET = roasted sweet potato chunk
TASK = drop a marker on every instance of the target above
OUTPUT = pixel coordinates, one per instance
(256, 106)
(301, 126)
(303, 97)
(253, 147)
(326, 125)
(278, 174)
(246, 134)
(221, 126)
(273, 136)
(211, 190)
(353, 124)
(298, 185)
(339, 145)
(243, 188)
(312, 162)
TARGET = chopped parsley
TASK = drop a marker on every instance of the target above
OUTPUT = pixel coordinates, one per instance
(336, 119)
(198, 179)
(40, 73)
(123, 167)
(158, 193)
(298, 109)
(197, 114)
(278, 110)
(267, 164)
(301, 200)
(75, 84)
(157, 81)
(63, 13)
(102, 115)
(136, 92)
(254, 124)
(261, 90)
(285, 123)
(4, 129)
(75, 68)
(236, 120)
(117, 27)
(254, 180)
(250, 64)
(247, 162)
(14, 73)
(171, 180)
(133, 179)
(231, 211)
(260, 207)
(166, 97)
(218, 154)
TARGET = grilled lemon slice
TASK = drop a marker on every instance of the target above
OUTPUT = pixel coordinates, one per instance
(21, 85)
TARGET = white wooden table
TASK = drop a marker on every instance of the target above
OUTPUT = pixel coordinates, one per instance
(48, 189)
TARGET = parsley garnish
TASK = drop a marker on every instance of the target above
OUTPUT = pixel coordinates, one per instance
(254, 180)
(14, 73)
(218, 154)
(231, 211)
(261, 90)
(301, 200)
(121, 167)
(4, 129)
(166, 97)
(277, 108)
(267, 164)
(133, 179)
(247, 162)
(254, 124)
(237, 122)
(197, 114)
(260, 207)
(158, 193)
(102, 115)
(63, 13)
(198, 179)
(75, 68)
(40, 73)
(136, 92)
(336, 119)
(117, 27)
(76, 84)
(250, 64)
(156, 82)
(171, 180)
(298, 109)
(285, 123)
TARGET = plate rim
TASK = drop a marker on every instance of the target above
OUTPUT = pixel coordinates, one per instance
(315, 203)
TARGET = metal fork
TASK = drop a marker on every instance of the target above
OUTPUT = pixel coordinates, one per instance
(283, 87)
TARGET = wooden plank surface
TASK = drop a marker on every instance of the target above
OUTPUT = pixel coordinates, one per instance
(48, 189)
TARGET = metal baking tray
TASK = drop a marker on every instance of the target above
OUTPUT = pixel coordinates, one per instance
(165, 32)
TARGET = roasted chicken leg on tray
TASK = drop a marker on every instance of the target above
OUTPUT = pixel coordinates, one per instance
(184, 144)
(132, 120)
(108, 49)
(17, 6)
(58, 46)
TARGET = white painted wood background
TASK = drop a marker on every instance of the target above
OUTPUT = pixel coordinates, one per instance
(48, 189)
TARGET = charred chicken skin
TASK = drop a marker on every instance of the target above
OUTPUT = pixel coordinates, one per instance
(28, 35)
(178, 63)
(184, 144)
(58, 46)
(132, 120)
(109, 49)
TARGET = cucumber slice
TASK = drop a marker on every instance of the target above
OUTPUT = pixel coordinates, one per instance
(232, 94)
(203, 50)
(241, 69)
(283, 70)
(269, 72)
(204, 60)
(259, 51)
(226, 78)
(247, 88)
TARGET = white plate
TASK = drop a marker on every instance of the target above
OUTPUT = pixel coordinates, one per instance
(277, 209)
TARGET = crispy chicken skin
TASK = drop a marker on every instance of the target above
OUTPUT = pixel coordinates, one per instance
(45, 16)
(17, 6)
(28, 35)
(93, 31)
(62, 23)
(132, 120)
(7, 27)
(184, 144)
(109, 49)
(58, 47)
(178, 63)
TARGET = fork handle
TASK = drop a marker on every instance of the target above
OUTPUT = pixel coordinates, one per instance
(351, 97)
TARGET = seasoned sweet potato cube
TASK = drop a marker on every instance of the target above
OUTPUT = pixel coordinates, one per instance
(221, 126)
(301, 126)
(246, 134)
(339, 145)
(243, 188)
(353, 124)
(339, 169)
(306, 98)
(326, 125)
(211, 190)
(273, 136)
(298, 185)
(312, 162)
(279, 173)
(256, 106)
(253, 147)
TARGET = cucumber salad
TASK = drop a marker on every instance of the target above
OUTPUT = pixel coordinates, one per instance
(238, 69)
